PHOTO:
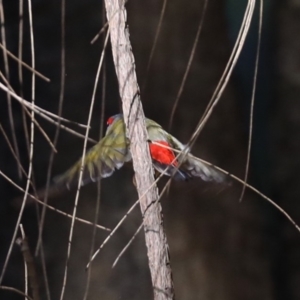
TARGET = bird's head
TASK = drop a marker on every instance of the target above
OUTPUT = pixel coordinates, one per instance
(111, 120)
(114, 118)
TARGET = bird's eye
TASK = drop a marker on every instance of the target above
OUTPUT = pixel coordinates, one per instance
(110, 121)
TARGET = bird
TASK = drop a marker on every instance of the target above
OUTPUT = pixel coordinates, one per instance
(169, 156)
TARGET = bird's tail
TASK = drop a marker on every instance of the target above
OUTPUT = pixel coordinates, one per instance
(196, 168)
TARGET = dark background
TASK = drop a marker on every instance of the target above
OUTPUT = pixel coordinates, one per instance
(220, 248)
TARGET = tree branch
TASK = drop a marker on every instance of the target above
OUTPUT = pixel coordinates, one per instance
(156, 241)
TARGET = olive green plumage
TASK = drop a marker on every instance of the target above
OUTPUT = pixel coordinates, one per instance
(112, 151)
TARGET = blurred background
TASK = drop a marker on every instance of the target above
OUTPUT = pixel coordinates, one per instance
(220, 248)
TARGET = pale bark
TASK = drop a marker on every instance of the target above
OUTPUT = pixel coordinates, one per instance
(156, 241)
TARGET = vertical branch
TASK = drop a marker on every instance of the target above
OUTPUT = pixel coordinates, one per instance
(20, 70)
(156, 240)
(59, 113)
(31, 152)
(6, 68)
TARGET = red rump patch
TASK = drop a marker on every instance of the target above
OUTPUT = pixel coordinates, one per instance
(162, 154)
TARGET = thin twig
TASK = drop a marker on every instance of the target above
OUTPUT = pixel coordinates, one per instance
(20, 70)
(280, 209)
(105, 25)
(24, 64)
(30, 266)
(59, 113)
(97, 208)
(39, 110)
(25, 264)
(31, 148)
(133, 206)
(81, 170)
(11, 289)
(167, 185)
(49, 206)
(25, 110)
(158, 29)
(253, 99)
(189, 64)
(43, 259)
(127, 245)
(228, 70)
(8, 97)
(11, 149)
(95, 38)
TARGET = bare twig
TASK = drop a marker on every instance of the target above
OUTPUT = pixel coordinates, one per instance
(38, 110)
(49, 206)
(95, 38)
(253, 98)
(189, 64)
(81, 169)
(44, 113)
(11, 149)
(158, 29)
(228, 70)
(8, 97)
(25, 111)
(30, 168)
(8, 288)
(97, 208)
(156, 241)
(57, 131)
(30, 265)
(256, 191)
(125, 216)
(127, 245)
(24, 64)
(20, 69)
(25, 264)
(166, 187)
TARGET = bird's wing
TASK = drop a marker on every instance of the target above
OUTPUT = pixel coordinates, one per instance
(101, 160)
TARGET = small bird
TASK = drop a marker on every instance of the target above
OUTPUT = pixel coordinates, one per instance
(168, 155)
